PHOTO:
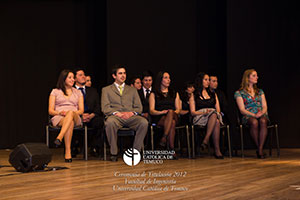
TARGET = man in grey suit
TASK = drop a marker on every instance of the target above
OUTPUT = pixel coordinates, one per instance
(121, 105)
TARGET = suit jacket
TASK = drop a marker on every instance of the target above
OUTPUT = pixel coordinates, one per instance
(92, 101)
(112, 101)
(144, 101)
(222, 101)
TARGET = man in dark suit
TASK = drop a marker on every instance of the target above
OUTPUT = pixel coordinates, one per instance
(122, 106)
(144, 92)
(213, 86)
(227, 113)
(92, 112)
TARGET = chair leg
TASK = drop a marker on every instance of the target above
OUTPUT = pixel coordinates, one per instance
(277, 140)
(270, 142)
(152, 135)
(47, 135)
(133, 148)
(188, 140)
(178, 140)
(242, 140)
(85, 143)
(121, 145)
(193, 140)
(229, 141)
(104, 145)
(104, 151)
(223, 141)
(209, 152)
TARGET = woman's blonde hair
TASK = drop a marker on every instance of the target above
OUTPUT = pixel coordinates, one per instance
(245, 81)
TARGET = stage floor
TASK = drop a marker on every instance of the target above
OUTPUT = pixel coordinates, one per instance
(200, 178)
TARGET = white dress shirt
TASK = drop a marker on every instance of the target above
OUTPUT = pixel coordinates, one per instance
(145, 92)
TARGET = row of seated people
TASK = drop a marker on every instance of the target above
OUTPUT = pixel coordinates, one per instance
(123, 105)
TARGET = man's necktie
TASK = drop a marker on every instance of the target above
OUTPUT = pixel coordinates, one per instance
(84, 101)
(121, 89)
(82, 91)
(147, 94)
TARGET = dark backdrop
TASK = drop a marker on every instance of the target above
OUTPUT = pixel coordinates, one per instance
(265, 35)
(39, 39)
(156, 35)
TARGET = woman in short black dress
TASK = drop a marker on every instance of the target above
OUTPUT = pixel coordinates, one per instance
(205, 108)
(185, 95)
(164, 106)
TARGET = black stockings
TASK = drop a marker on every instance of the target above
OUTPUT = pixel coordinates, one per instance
(213, 127)
(168, 122)
(259, 136)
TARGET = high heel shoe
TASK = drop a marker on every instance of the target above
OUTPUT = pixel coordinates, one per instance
(218, 157)
(163, 141)
(174, 155)
(204, 146)
(68, 160)
(260, 156)
(57, 142)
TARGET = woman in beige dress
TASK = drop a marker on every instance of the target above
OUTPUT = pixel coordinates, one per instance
(65, 107)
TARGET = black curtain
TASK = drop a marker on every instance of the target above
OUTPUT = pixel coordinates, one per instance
(264, 35)
(155, 35)
(39, 39)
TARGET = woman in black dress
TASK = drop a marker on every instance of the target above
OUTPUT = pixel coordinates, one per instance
(164, 106)
(205, 108)
(185, 95)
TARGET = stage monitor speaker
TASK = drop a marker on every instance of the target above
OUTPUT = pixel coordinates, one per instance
(30, 157)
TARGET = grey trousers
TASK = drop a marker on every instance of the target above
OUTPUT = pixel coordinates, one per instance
(137, 123)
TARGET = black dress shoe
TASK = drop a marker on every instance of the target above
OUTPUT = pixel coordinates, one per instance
(174, 157)
(114, 158)
(69, 160)
(260, 156)
(204, 146)
(57, 142)
(95, 152)
(218, 157)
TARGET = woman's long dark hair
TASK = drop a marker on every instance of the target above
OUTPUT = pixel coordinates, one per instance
(199, 85)
(157, 85)
(184, 95)
(61, 80)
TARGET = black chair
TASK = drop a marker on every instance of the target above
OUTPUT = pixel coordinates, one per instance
(122, 132)
(154, 126)
(273, 126)
(202, 130)
(50, 128)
